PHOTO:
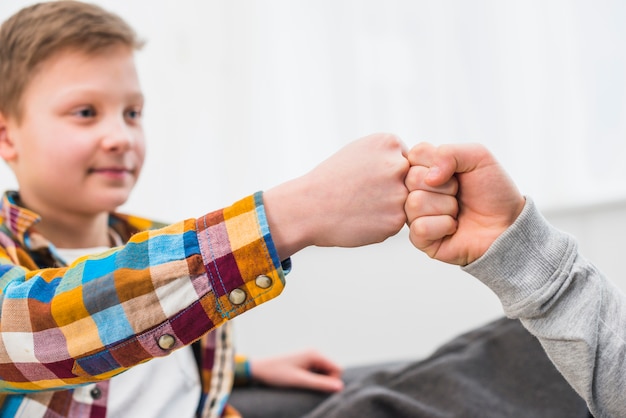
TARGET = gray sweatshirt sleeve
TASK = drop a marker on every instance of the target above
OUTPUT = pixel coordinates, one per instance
(577, 314)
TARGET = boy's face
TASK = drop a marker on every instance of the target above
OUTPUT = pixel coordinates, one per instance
(79, 146)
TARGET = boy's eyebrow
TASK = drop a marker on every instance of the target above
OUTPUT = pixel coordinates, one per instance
(88, 90)
(138, 96)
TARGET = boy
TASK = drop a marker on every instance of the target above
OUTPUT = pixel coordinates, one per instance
(72, 321)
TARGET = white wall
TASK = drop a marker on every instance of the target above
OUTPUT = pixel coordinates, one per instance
(377, 303)
(245, 94)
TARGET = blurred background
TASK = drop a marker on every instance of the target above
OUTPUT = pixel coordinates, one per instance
(243, 95)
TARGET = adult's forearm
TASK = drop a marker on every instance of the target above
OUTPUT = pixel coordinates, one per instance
(577, 314)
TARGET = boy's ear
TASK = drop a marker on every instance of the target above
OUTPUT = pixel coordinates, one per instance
(7, 148)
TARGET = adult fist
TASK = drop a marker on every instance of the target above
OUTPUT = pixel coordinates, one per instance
(460, 200)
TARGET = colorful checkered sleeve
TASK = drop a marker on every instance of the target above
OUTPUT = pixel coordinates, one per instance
(164, 289)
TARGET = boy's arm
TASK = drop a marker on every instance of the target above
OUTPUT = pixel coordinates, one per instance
(168, 287)
(160, 292)
(463, 209)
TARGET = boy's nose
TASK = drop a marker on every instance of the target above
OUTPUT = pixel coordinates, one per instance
(119, 137)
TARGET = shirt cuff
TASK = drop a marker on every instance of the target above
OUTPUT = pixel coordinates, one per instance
(243, 375)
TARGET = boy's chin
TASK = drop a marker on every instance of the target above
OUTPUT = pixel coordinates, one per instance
(111, 202)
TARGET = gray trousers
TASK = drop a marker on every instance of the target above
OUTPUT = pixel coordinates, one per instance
(498, 370)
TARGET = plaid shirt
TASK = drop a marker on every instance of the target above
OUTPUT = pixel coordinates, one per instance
(62, 327)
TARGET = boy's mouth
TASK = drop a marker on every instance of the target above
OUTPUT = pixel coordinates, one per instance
(111, 171)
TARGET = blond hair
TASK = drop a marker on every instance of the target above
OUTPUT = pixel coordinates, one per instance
(37, 32)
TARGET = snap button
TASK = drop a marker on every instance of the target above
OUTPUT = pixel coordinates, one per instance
(263, 281)
(237, 297)
(96, 393)
(166, 342)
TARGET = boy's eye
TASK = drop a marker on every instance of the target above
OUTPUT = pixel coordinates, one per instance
(133, 114)
(86, 112)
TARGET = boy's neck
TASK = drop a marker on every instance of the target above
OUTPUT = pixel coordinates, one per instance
(73, 229)
(76, 232)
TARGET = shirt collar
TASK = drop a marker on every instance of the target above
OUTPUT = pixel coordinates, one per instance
(14, 218)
